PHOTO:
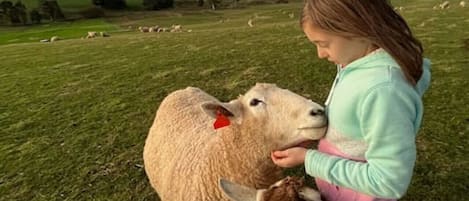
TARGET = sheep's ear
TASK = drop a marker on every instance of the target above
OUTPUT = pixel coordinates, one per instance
(232, 110)
(236, 192)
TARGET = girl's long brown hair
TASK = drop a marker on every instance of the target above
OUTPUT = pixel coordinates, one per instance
(374, 20)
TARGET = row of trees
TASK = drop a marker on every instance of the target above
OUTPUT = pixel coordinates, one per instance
(18, 14)
(152, 4)
(147, 4)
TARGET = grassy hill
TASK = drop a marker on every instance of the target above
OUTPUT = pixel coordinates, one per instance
(74, 114)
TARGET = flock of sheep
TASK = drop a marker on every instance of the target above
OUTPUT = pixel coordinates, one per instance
(95, 34)
(187, 158)
(446, 5)
(178, 28)
(442, 6)
(173, 28)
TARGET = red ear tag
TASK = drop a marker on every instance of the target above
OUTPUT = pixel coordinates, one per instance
(221, 121)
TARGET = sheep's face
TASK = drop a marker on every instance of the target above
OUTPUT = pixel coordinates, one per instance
(288, 119)
(284, 118)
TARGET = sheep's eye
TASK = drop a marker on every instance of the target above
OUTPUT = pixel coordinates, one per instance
(255, 102)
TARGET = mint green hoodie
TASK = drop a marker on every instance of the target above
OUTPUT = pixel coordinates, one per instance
(374, 116)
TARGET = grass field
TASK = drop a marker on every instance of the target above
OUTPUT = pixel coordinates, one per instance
(74, 114)
(74, 5)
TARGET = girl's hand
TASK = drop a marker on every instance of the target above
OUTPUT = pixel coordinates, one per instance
(289, 157)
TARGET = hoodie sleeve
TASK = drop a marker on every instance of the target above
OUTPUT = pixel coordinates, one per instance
(388, 119)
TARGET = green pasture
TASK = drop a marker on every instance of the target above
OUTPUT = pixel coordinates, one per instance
(74, 114)
(65, 30)
(73, 5)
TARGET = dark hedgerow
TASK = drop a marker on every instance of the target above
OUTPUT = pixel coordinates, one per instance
(92, 12)
(157, 4)
(110, 4)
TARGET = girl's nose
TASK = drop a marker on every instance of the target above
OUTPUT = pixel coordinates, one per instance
(322, 54)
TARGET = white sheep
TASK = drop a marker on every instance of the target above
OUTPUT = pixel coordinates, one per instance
(91, 34)
(462, 4)
(54, 38)
(176, 28)
(143, 29)
(444, 5)
(185, 157)
(104, 34)
(287, 189)
(250, 24)
(400, 8)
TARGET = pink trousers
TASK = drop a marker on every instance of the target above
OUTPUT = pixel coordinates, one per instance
(331, 192)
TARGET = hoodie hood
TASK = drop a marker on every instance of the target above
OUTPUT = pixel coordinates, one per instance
(379, 57)
(424, 82)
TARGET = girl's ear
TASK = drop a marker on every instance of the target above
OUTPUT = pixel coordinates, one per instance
(236, 192)
(231, 110)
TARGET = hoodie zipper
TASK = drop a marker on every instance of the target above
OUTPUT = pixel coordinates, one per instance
(336, 80)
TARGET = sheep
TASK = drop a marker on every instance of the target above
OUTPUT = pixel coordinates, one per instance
(400, 8)
(250, 24)
(287, 189)
(94, 34)
(176, 28)
(462, 4)
(104, 34)
(54, 38)
(184, 156)
(143, 29)
(444, 5)
(91, 34)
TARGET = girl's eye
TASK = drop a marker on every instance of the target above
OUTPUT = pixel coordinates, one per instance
(255, 102)
(323, 45)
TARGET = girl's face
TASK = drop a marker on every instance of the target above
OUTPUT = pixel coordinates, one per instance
(337, 49)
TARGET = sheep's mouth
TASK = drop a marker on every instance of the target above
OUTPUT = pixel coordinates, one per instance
(312, 127)
(301, 143)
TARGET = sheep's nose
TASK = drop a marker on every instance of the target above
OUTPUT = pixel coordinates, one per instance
(316, 112)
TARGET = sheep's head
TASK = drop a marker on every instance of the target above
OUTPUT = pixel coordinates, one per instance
(283, 118)
(287, 189)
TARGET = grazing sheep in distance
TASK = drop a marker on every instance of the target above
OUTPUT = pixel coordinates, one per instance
(143, 29)
(250, 23)
(176, 28)
(287, 189)
(185, 157)
(54, 38)
(444, 5)
(91, 34)
(104, 34)
(462, 4)
(94, 34)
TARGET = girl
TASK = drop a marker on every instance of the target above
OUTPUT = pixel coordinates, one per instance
(374, 107)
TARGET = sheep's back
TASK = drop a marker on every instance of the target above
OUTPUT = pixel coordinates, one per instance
(180, 129)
